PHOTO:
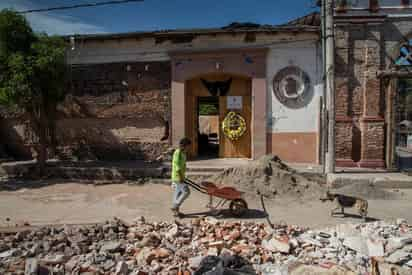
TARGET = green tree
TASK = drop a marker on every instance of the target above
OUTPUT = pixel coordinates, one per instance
(32, 77)
(207, 109)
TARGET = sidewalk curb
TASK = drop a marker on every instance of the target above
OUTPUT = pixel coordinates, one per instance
(381, 180)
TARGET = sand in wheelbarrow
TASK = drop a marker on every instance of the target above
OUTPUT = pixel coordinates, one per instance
(270, 177)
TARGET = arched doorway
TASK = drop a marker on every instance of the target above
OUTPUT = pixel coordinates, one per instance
(210, 98)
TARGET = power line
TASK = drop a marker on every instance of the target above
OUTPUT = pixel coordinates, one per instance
(86, 5)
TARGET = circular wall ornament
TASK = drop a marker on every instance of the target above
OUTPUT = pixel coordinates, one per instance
(233, 126)
(292, 87)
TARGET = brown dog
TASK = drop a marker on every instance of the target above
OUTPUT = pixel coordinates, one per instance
(342, 201)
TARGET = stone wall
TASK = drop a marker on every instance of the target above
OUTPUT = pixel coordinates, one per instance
(363, 49)
(115, 111)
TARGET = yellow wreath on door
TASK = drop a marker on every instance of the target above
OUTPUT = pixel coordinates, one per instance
(233, 126)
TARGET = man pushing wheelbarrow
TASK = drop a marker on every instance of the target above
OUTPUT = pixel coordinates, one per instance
(182, 191)
(238, 205)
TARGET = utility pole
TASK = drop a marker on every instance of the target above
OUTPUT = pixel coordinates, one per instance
(330, 84)
(324, 122)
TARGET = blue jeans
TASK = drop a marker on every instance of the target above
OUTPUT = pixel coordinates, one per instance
(181, 193)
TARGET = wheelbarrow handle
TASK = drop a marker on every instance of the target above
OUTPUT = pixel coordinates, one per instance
(195, 186)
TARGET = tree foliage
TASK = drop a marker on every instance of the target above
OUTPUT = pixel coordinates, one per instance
(207, 109)
(16, 34)
(32, 77)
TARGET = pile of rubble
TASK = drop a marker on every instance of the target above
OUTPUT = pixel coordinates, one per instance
(270, 177)
(177, 248)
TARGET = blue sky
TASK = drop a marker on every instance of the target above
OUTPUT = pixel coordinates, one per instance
(157, 14)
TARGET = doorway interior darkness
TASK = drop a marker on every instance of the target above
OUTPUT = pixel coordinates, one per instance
(208, 126)
(403, 117)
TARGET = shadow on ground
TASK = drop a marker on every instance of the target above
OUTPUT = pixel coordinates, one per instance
(355, 216)
(84, 171)
(12, 185)
(225, 213)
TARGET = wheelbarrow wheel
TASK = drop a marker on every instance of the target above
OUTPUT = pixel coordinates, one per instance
(238, 207)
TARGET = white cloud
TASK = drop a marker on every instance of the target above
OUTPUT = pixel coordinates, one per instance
(61, 25)
(50, 23)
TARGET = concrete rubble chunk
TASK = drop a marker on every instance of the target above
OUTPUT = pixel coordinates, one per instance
(78, 238)
(409, 263)
(274, 245)
(167, 248)
(121, 269)
(399, 256)
(294, 242)
(395, 243)
(375, 248)
(35, 249)
(324, 235)
(145, 256)
(357, 244)
(310, 241)
(316, 254)
(111, 246)
(8, 253)
(156, 267)
(273, 269)
(400, 221)
(217, 244)
(213, 251)
(172, 232)
(108, 265)
(31, 266)
(54, 259)
(390, 269)
(162, 253)
(194, 262)
(212, 220)
(3, 247)
(72, 263)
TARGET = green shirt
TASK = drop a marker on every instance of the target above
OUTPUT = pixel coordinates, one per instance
(178, 166)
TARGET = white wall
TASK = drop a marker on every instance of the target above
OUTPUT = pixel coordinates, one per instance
(145, 49)
(307, 56)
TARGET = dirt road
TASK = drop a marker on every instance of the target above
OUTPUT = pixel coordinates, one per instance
(68, 202)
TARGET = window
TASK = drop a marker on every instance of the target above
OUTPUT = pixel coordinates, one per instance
(405, 54)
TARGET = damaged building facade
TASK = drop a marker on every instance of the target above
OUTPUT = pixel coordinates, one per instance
(217, 71)
(372, 86)
(241, 91)
(133, 95)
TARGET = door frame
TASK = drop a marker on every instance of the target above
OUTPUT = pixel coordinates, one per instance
(191, 112)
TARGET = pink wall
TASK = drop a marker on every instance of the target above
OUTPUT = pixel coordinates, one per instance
(259, 112)
(178, 111)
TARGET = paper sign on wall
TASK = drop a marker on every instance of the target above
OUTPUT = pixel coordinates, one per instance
(234, 102)
(409, 142)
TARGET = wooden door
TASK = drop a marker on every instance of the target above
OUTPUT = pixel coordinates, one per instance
(239, 87)
(240, 148)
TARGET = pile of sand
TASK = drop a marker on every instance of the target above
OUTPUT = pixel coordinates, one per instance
(270, 177)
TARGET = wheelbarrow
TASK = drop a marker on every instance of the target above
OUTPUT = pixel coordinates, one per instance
(237, 207)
